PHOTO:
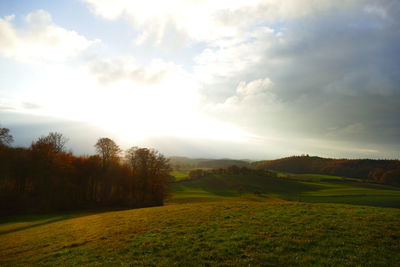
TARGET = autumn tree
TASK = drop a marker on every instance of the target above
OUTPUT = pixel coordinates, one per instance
(45, 178)
(6, 159)
(197, 173)
(53, 142)
(152, 171)
(108, 150)
(5, 137)
(391, 177)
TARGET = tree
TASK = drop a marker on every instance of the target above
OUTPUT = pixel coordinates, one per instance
(151, 169)
(391, 177)
(108, 150)
(53, 142)
(5, 137)
(146, 161)
(197, 173)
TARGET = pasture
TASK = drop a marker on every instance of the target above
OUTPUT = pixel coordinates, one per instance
(209, 221)
(304, 188)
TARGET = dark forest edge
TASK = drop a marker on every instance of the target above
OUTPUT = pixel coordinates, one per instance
(45, 177)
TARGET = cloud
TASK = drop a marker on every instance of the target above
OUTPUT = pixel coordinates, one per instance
(305, 69)
(29, 105)
(40, 40)
(319, 75)
(117, 69)
(204, 20)
(12, 105)
(255, 94)
(187, 20)
(332, 76)
(254, 87)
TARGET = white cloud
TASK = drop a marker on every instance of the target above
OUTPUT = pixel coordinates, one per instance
(220, 69)
(296, 70)
(330, 70)
(192, 20)
(254, 87)
(250, 98)
(40, 40)
(112, 70)
(13, 105)
(203, 20)
(376, 10)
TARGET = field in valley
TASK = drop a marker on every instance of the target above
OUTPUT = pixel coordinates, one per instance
(296, 187)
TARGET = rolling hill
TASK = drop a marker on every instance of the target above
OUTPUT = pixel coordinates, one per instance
(383, 171)
(301, 187)
(208, 221)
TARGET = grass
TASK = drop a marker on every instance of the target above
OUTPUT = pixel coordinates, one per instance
(183, 174)
(236, 231)
(316, 177)
(312, 188)
(334, 189)
(224, 185)
(180, 174)
(207, 222)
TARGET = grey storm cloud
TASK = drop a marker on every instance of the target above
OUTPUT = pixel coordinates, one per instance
(335, 76)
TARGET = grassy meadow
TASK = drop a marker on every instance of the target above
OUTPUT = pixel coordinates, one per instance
(180, 174)
(208, 221)
(301, 187)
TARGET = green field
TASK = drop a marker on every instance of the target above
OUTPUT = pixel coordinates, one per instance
(208, 221)
(183, 174)
(180, 174)
(305, 188)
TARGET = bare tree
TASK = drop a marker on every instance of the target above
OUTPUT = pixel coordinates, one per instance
(5, 137)
(107, 149)
(53, 141)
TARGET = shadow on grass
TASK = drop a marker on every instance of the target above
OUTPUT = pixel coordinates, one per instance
(43, 219)
(33, 225)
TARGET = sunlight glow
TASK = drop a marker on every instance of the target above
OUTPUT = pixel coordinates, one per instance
(132, 111)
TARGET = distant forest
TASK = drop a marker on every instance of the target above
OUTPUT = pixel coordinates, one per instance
(381, 171)
(45, 177)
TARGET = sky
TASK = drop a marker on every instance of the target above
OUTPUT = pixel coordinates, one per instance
(246, 79)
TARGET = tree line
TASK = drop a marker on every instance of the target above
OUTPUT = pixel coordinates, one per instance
(46, 177)
(380, 171)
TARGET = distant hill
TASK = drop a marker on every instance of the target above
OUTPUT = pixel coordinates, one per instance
(222, 163)
(385, 171)
(184, 162)
(212, 185)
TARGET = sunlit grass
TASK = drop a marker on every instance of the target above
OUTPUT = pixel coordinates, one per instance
(235, 231)
(180, 174)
